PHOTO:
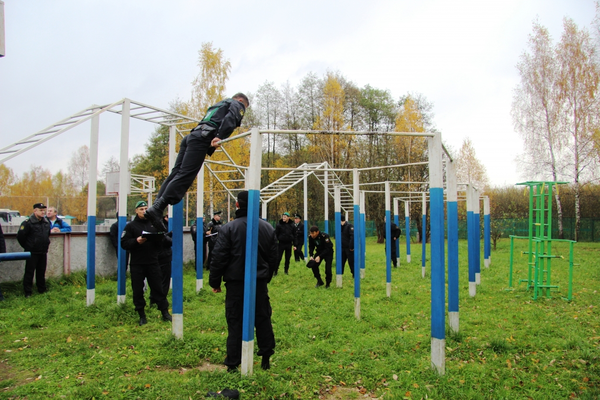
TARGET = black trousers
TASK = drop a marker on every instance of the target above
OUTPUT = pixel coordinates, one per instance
(36, 265)
(234, 313)
(189, 160)
(348, 255)
(287, 249)
(328, 265)
(298, 254)
(393, 253)
(152, 273)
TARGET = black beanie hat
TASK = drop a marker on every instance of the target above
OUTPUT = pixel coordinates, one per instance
(242, 199)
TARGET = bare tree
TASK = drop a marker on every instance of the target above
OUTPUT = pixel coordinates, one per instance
(468, 167)
(79, 166)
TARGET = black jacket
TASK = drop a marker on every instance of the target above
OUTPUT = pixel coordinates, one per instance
(223, 118)
(323, 245)
(212, 228)
(348, 236)
(144, 253)
(2, 242)
(166, 247)
(298, 234)
(395, 231)
(34, 235)
(229, 254)
(285, 231)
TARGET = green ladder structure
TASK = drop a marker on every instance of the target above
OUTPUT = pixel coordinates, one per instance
(540, 241)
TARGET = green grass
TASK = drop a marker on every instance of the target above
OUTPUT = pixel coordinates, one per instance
(509, 346)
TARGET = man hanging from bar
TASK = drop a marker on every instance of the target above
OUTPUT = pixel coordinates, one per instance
(219, 123)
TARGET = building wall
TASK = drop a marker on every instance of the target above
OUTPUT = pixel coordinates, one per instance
(74, 246)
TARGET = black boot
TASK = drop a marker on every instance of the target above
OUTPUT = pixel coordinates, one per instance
(155, 214)
(143, 320)
(265, 364)
(166, 316)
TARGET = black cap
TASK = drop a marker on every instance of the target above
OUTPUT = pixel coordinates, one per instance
(297, 216)
(242, 199)
(342, 217)
(39, 205)
(217, 213)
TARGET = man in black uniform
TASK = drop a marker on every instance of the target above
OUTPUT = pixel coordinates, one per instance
(34, 237)
(320, 248)
(395, 232)
(2, 250)
(228, 264)
(165, 257)
(347, 245)
(285, 233)
(144, 250)
(212, 234)
(298, 238)
(219, 123)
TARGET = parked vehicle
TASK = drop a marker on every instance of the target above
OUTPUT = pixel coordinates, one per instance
(11, 217)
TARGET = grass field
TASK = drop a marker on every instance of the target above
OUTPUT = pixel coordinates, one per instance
(509, 346)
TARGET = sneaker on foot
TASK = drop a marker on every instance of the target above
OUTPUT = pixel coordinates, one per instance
(143, 321)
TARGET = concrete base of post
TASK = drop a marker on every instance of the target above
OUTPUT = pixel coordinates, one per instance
(357, 307)
(453, 320)
(472, 289)
(199, 285)
(91, 296)
(171, 284)
(177, 326)
(478, 278)
(338, 280)
(422, 272)
(121, 298)
(247, 357)
(438, 355)
(408, 258)
(486, 262)
(388, 289)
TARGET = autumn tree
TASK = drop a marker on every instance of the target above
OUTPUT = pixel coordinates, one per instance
(331, 119)
(79, 166)
(7, 178)
(578, 82)
(468, 167)
(208, 87)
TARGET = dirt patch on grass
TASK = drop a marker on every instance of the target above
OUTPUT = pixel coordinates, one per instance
(9, 378)
(345, 393)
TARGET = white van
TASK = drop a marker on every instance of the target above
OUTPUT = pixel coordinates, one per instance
(11, 217)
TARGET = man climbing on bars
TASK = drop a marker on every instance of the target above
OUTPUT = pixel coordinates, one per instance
(219, 123)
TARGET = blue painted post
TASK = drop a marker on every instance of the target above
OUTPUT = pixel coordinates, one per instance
(91, 212)
(326, 199)
(423, 234)
(177, 270)
(471, 241)
(357, 242)
(487, 245)
(305, 182)
(363, 235)
(477, 228)
(388, 242)
(407, 229)
(452, 206)
(22, 255)
(338, 236)
(253, 186)
(124, 183)
(200, 231)
(438, 290)
(397, 222)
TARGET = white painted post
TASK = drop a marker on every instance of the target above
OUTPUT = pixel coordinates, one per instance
(453, 264)
(357, 233)
(407, 229)
(423, 235)
(91, 210)
(200, 230)
(326, 199)
(338, 236)
(388, 241)
(123, 190)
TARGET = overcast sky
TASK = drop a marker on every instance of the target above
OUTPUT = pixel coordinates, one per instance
(65, 55)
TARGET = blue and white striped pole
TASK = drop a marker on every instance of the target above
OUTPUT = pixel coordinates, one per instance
(91, 212)
(200, 230)
(397, 222)
(423, 234)
(487, 254)
(477, 228)
(363, 235)
(253, 186)
(177, 270)
(388, 242)
(438, 289)
(338, 236)
(472, 240)
(357, 242)
(326, 199)
(407, 229)
(452, 206)
(305, 182)
(123, 192)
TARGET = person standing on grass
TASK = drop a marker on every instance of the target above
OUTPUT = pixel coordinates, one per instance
(319, 244)
(34, 237)
(298, 238)
(285, 232)
(395, 232)
(219, 123)
(347, 236)
(144, 263)
(228, 264)
(165, 256)
(211, 234)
